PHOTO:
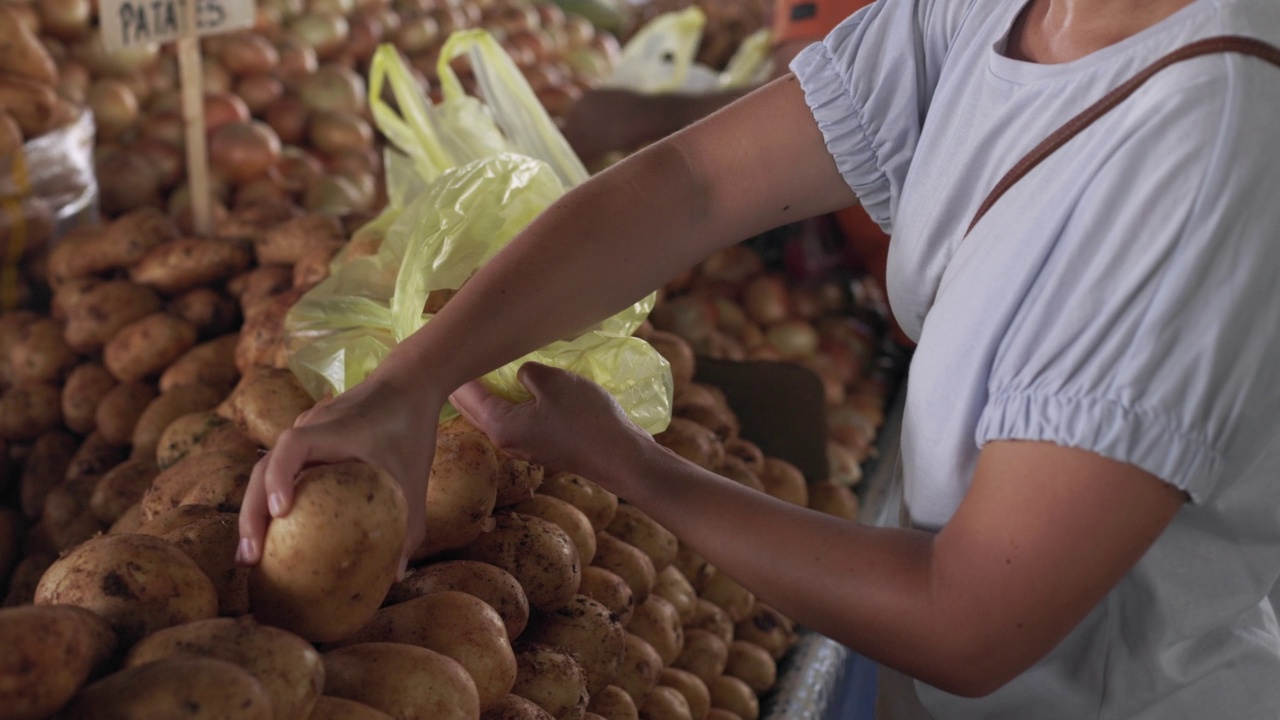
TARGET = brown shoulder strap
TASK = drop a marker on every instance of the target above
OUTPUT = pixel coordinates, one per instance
(1208, 46)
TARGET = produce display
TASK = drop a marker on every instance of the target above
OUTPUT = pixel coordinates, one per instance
(135, 401)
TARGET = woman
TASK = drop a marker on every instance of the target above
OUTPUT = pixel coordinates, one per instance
(1090, 441)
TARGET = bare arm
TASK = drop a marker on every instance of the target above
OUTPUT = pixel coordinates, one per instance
(1043, 534)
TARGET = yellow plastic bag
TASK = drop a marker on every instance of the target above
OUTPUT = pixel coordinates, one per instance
(466, 178)
(660, 58)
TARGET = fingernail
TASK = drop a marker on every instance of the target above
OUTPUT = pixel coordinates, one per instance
(275, 503)
(245, 551)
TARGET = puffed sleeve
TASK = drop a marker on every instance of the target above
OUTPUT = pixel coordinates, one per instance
(869, 84)
(1152, 333)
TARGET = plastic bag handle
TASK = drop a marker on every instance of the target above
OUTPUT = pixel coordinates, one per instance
(411, 129)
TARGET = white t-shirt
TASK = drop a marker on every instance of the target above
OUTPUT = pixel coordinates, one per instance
(1123, 298)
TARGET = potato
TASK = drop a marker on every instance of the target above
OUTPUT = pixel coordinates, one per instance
(175, 518)
(516, 479)
(706, 406)
(784, 481)
(737, 471)
(85, 387)
(767, 628)
(403, 681)
(34, 105)
(613, 703)
(693, 567)
(260, 283)
(746, 451)
(22, 52)
(633, 527)
(118, 411)
(211, 363)
(94, 457)
(665, 703)
(69, 293)
(672, 586)
(567, 518)
(40, 354)
(267, 402)
(196, 476)
(692, 442)
(117, 245)
(262, 337)
(751, 664)
(209, 311)
(710, 617)
(29, 411)
(184, 263)
(45, 468)
(11, 524)
(288, 667)
(103, 311)
(26, 575)
(704, 654)
(200, 432)
(327, 565)
(693, 689)
(724, 591)
(130, 522)
(627, 562)
(657, 621)
(488, 582)
(833, 499)
(678, 353)
(514, 707)
(137, 583)
(288, 242)
(336, 708)
(66, 521)
(162, 411)
(247, 221)
(460, 494)
(609, 590)
(730, 693)
(145, 347)
(587, 631)
(552, 679)
(211, 542)
(455, 624)
(639, 670)
(537, 553)
(121, 488)
(313, 267)
(598, 504)
(11, 326)
(49, 653)
(190, 688)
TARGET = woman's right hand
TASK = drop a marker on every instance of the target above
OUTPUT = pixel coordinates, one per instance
(378, 422)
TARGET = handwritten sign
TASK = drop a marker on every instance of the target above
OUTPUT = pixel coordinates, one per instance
(139, 22)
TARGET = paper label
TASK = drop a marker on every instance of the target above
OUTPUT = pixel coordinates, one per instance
(139, 22)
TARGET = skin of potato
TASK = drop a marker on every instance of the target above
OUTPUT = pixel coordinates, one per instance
(173, 486)
(118, 411)
(691, 686)
(401, 680)
(596, 503)
(657, 621)
(211, 363)
(639, 670)
(288, 667)
(191, 688)
(627, 562)
(514, 707)
(100, 313)
(488, 582)
(266, 402)
(568, 518)
(49, 654)
(751, 664)
(461, 494)
(121, 488)
(588, 632)
(552, 679)
(609, 590)
(29, 411)
(211, 542)
(454, 624)
(85, 387)
(730, 693)
(145, 347)
(672, 586)
(704, 655)
(613, 703)
(665, 703)
(536, 552)
(327, 565)
(164, 410)
(184, 263)
(139, 584)
(336, 708)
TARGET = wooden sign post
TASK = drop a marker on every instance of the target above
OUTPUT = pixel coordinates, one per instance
(135, 22)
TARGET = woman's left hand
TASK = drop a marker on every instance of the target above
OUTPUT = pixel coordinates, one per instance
(571, 424)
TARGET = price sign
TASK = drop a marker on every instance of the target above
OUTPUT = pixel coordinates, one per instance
(139, 22)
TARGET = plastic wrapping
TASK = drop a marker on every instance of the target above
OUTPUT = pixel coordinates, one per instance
(660, 58)
(45, 189)
(467, 178)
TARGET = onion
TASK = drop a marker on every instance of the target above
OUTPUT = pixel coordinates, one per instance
(418, 35)
(794, 339)
(115, 107)
(764, 351)
(589, 63)
(535, 43)
(297, 61)
(680, 282)
(333, 195)
(65, 19)
(243, 151)
(606, 44)
(691, 317)
(131, 182)
(248, 54)
(163, 127)
(843, 464)
(341, 7)
(295, 170)
(326, 32)
(366, 188)
(73, 81)
(266, 22)
(259, 91)
(449, 20)
(511, 18)
(289, 117)
(855, 338)
(334, 132)
(851, 427)
(120, 62)
(354, 161)
(807, 303)
(26, 16)
(223, 108)
(164, 75)
(559, 99)
(833, 390)
(216, 79)
(730, 317)
(834, 295)
(165, 158)
(367, 31)
(541, 76)
(473, 14)
(333, 88)
(165, 101)
(751, 335)
(766, 299)
(550, 14)
(260, 190)
(579, 30)
(734, 265)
